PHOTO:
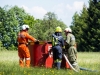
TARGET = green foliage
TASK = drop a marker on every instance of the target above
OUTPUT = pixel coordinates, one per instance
(11, 18)
(29, 20)
(43, 29)
(1, 47)
(10, 21)
(86, 27)
(80, 29)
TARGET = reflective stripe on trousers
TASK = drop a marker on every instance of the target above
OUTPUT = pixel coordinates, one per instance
(27, 58)
(57, 60)
(27, 62)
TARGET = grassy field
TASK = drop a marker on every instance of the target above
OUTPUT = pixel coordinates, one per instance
(9, 65)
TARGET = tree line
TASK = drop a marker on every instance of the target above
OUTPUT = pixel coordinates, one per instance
(13, 17)
(85, 26)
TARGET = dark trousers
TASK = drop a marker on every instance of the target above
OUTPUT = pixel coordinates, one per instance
(57, 56)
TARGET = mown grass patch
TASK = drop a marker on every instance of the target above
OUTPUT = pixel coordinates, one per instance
(9, 65)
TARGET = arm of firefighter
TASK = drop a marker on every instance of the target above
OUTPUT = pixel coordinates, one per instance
(54, 35)
(63, 48)
(31, 38)
(67, 41)
(64, 51)
(63, 43)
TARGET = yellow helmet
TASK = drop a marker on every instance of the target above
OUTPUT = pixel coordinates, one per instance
(58, 29)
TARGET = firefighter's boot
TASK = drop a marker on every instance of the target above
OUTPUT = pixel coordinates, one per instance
(75, 65)
(58, 65)
(21, 62)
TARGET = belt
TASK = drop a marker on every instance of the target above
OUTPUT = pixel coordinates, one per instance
(23, 44)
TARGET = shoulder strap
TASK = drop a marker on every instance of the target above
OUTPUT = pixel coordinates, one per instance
(56, 39)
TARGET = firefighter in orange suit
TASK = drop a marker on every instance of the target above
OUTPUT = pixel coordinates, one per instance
(23, 51)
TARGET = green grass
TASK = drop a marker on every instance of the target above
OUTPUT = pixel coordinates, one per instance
(9, 65)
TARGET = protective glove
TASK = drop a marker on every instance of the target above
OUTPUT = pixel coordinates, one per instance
(37, 42)
(64, 51)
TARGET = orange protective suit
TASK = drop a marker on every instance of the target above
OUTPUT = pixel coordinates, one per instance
(23, 51)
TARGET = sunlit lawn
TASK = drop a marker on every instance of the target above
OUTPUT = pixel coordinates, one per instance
(9, 65)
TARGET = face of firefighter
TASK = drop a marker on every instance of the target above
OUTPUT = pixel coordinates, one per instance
(27, 29)
(66, 33)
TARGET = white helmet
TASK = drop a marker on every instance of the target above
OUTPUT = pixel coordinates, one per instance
(68, 30)
(27, 26)
(24, 27)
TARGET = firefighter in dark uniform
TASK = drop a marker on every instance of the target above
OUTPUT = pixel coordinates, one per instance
(57, 45)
